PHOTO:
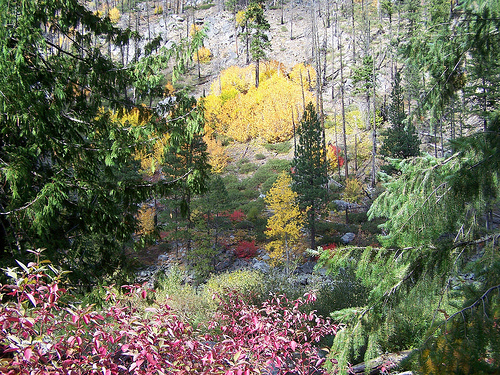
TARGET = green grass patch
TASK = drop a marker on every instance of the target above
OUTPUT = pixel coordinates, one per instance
(280, 148)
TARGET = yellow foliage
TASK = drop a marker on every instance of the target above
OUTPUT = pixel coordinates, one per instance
(353, 192)
(332, 159)
(270, 68)
(146, 218)
(159, 9)
(169, 88)
(287, 220)
(151, 155)
(239, 110)
(114, 15)
(364, 146)
(194, 29)
(203, 54)
(308, 74)
(240, 18)
(240, 78)
(152, 161)
(217, 155)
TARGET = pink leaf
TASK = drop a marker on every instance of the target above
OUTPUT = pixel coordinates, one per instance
(136, 364)
(144, 293)
(31, 298)
(28, 353)
(151, 359)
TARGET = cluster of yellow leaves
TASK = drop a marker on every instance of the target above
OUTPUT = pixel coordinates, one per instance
(287, 220)
(237, 109)
(308, 74)
(193, 29)
(151, 161)
(169, 89)
(114, 15)
(240, 18)
(159, 9)
(151, 155)
(353, 192)
(332, 160)
(217, 155)
(203, 54)
(146, 218)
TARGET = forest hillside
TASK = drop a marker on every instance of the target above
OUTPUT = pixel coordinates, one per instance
(249, 187)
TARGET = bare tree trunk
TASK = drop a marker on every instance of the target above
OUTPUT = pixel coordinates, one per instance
(374, 129)
(257, 73)
(342, 97)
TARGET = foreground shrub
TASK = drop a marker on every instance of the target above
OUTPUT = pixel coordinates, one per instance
(41, 334)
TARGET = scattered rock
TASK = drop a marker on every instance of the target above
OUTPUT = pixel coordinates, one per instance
(162, 258)
(261, 266)
(347, 238)
(307, 267)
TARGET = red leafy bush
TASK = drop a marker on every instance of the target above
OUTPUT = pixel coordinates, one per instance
(331, 246)
(39, 334)
(237, 216)
(246, 249)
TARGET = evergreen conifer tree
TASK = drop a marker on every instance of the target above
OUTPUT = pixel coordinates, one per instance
(310, 169)
(257, 27)
(69, 178)
(401, 140)
(439, 248)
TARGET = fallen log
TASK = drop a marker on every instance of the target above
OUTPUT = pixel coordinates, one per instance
(380, 365)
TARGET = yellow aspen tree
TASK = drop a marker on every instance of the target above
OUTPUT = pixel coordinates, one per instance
(114, 15)
(308, 74)
(217, 155)
(283, 227)
(146, 218)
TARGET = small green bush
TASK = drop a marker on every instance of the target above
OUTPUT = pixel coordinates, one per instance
(244, 224)
(260, 156)
(271, 169)
(247, 167)
(372, 226)
(280, 148)
(254, 209)
(358, 218)
(205, 6)
(247, 282)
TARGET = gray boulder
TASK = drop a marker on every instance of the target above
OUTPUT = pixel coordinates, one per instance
(347, 238)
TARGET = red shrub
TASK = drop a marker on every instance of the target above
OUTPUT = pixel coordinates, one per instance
(330, 247)
(246, 249)
(237, 216)
(41, 335)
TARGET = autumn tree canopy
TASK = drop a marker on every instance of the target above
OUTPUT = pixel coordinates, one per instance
(236, 109)
(284, 226)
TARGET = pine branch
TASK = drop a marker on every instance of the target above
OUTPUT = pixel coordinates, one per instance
(465, 309)
(21, 208)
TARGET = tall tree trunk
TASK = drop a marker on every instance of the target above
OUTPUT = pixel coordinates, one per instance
(257, 73)
(342, 98)
(374, 130)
